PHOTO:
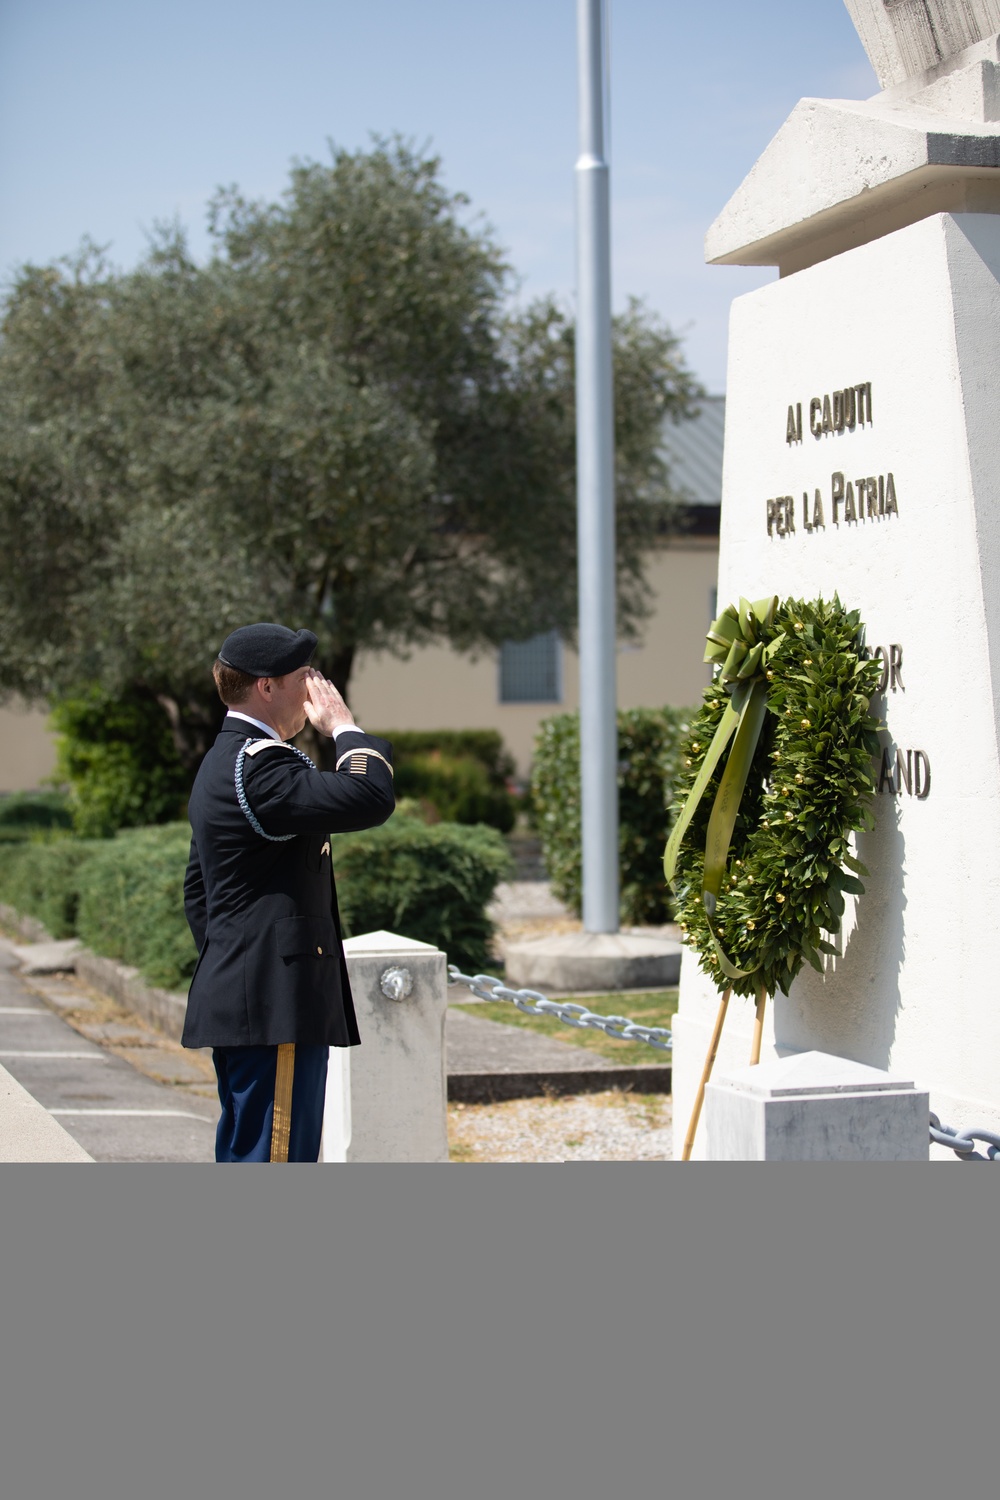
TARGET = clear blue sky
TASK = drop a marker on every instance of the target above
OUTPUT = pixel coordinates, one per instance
(116, 113)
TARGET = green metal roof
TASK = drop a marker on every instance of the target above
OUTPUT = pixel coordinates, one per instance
(693, 450)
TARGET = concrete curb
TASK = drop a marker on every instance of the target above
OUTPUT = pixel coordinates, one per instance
(164, 1009)
(494, 1088)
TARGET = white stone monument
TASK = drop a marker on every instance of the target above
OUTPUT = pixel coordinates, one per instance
(863, 457)
(387, 1099)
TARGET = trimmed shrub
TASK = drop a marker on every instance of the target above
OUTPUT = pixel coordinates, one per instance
(648, 748)
(124, 896)
(118, 758)
(131, 902)
(484, 745)
(42, 880)
(25, 814)
(456, 787)
(462, 775)
(427, 882)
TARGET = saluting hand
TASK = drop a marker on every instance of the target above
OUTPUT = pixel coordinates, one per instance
(325, 708)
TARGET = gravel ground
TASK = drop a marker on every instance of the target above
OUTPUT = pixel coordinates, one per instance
(614, 1126)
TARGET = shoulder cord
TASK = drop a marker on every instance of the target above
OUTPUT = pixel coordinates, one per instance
(273, 838)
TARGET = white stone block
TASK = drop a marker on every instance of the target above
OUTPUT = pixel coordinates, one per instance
(387, 1099)
(47, 958)
(811, 1106)
(842, 172)
(903, 41)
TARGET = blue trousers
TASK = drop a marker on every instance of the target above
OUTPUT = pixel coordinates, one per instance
(246, 1092)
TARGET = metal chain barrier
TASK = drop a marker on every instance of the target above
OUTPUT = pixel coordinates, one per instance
(963, 1143)
(534, 1004)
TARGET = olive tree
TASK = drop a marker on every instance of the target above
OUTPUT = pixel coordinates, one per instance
(340, 421)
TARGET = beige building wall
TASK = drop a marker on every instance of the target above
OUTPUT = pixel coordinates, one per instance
(27, 749)
(438, 688)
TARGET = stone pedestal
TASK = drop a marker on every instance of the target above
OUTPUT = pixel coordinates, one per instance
(386, 1100)
(576, 962)
(814, 1107)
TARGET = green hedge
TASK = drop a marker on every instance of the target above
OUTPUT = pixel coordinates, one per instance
(123, 897)
(132, 902)
(25, 814)
(462, 774)
(43, 880)
(484, 745)
(648, 748)
(428, 882)
(457, 789)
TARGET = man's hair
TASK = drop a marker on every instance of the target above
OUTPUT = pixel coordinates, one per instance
(234, 686)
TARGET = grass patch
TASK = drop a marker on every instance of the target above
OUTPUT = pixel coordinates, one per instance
(648, 1008)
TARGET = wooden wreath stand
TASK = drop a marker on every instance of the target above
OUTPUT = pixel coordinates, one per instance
(713, 1047)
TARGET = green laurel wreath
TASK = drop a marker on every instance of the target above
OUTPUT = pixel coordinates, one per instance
(776, 777)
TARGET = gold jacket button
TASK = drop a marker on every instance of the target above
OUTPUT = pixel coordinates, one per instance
(320, 952)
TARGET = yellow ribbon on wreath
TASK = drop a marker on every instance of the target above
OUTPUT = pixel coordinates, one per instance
(735, 644)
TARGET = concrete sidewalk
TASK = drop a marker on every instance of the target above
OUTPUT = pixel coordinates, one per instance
(84, 1075)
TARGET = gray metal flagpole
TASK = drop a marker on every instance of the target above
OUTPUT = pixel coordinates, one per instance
(595, 483)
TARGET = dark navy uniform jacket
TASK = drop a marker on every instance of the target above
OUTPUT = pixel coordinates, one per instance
(271, 964)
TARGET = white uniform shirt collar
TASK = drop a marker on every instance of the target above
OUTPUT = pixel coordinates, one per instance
(235, 714)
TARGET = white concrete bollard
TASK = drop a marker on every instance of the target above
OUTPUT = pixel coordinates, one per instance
(811, 1106)
(386, 1100)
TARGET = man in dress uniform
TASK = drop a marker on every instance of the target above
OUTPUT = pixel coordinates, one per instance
(270, 994)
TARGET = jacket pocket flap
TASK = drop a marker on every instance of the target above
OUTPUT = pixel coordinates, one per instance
(299, 936)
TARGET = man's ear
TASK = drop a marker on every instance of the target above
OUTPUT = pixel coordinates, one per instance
(263, 687)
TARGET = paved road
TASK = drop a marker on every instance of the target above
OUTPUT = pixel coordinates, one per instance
(121, 1090)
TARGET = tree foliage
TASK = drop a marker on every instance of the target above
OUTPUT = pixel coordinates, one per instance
(337, 421)
(121, 769)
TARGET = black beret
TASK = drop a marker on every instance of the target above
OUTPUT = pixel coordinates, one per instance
(267, 650)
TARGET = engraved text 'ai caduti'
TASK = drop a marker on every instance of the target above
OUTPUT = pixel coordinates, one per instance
(839, 411)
